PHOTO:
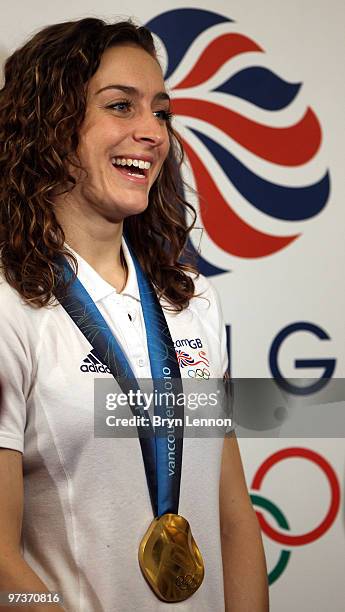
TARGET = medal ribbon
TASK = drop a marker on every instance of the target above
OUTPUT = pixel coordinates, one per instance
(161, 448)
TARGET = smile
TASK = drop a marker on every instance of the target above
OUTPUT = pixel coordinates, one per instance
(132, 168)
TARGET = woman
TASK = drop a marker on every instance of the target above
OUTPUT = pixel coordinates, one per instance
(88, 153)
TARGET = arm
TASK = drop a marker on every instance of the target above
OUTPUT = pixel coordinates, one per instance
(15, 574)
(244, 565)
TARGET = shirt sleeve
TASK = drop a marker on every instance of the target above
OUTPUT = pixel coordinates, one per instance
(224, 357)
(15, 370)
(226, 368)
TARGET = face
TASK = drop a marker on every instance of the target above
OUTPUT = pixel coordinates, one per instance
(123, 140)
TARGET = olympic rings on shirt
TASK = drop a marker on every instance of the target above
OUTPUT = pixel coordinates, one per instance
(199, 373)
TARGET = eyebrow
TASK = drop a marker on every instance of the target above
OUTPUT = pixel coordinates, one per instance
(133, 91)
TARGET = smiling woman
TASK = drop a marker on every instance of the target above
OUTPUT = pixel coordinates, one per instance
(93, 291)
(78, 96)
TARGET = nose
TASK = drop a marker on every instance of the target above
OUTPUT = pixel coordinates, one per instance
(149, 129)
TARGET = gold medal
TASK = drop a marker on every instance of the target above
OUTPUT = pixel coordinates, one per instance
(170, 559)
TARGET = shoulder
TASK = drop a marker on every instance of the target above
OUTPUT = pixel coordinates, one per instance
(11, 301)
(22, 331)
(15, 313)
(9, 298)
(203, 307)
(206, 298)
(204, 287)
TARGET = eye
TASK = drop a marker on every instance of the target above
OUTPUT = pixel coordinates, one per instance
(163, 115)
(123, 105)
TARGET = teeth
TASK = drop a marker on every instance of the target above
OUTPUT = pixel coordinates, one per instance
(137, 163)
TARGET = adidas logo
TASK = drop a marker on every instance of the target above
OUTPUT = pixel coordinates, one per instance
(91, 363)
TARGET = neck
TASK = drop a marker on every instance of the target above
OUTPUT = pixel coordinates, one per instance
(98, 242)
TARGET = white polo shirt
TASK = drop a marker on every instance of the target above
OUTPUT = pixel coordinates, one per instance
(86, 502)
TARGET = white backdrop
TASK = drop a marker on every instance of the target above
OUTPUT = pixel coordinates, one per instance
(304, 43)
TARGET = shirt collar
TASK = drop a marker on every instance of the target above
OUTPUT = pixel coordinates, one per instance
(131, 288)
(97, 287)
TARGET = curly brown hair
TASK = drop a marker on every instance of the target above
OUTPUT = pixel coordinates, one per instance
(42, 106)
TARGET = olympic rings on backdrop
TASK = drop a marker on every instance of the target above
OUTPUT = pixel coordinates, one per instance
(262, 502)
(284, 556)
(325, 524)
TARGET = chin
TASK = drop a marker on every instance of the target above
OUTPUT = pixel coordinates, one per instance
(119, 213)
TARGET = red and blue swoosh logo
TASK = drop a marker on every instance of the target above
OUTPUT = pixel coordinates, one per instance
(251, 142)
